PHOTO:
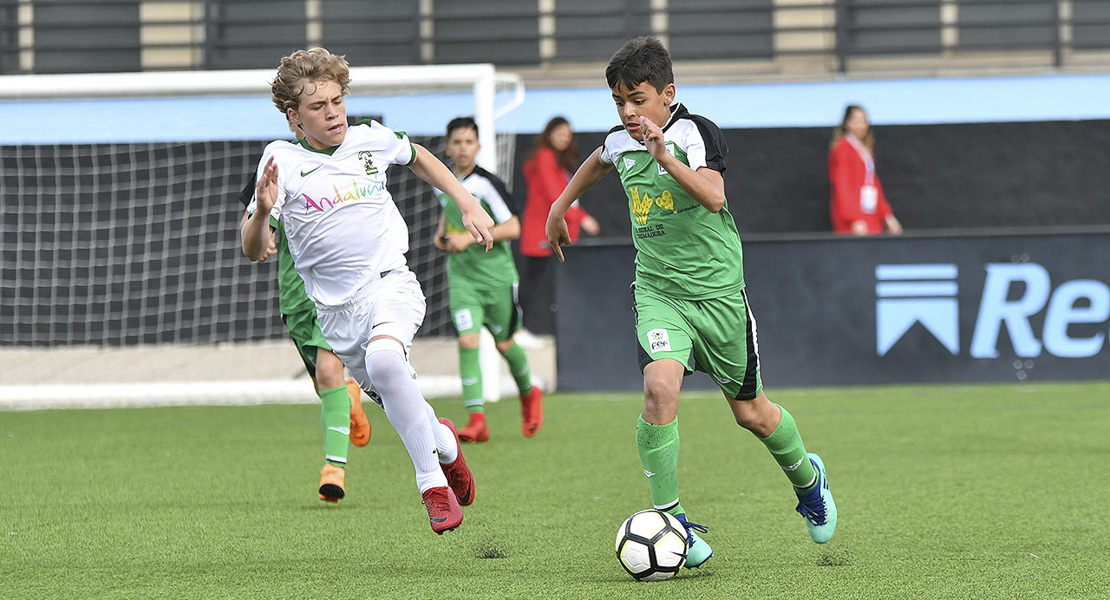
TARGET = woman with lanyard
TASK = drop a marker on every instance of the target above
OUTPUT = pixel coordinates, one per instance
(859, 206)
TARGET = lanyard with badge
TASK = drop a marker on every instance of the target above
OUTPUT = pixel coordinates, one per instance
(868, 194)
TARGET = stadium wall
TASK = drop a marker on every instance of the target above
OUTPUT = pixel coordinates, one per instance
(1011, 307)
(938, 176)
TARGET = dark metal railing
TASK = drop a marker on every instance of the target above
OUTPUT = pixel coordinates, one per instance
(48, 36)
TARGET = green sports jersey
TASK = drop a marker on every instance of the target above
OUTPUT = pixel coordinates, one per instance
(682, 249)
(473, 266)
(291, 295)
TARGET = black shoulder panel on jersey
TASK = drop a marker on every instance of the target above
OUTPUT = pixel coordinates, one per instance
(248, 190)
(499, 185)
(616, 129)
(715, 145)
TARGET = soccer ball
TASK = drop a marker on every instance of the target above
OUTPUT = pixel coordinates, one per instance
(651, 545)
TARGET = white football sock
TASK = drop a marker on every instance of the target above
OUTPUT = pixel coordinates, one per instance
(406, 409)
(445, 440)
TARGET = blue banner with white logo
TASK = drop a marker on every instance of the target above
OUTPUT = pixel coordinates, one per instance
(848, 311)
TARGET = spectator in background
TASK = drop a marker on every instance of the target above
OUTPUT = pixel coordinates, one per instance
(546, 172)
(859, 206)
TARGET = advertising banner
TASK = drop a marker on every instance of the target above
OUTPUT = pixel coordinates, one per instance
(884, 310)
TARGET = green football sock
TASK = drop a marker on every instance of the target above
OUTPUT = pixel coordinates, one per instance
(335, 414)
(785, 444)
(518, 366)
(470, 370)
(658, 446)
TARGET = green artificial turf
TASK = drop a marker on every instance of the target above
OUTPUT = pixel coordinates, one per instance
(943, 492)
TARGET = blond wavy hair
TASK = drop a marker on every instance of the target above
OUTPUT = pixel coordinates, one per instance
(304, 66)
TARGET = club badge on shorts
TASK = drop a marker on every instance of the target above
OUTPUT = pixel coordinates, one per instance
(658, 340)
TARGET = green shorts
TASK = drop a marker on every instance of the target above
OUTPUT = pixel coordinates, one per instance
(716, 336)
(497, 309)
(304, 330)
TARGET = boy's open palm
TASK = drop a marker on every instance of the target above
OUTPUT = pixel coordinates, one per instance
(266, 188)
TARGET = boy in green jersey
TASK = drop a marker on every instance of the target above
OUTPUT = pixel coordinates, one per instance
(692, 312)
(339, 397)
(482, 287)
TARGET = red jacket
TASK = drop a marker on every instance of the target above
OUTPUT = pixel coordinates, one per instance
(545, 180)
(847, 174)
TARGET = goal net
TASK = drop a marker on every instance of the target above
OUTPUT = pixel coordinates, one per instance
(120, 218)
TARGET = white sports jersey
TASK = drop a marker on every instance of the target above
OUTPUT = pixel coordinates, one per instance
(343, 226)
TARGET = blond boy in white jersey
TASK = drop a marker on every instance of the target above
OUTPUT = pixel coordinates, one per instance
(348, 242)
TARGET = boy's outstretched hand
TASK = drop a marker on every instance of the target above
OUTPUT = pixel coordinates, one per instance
(266, 187)
(478, 222)
(557, 235)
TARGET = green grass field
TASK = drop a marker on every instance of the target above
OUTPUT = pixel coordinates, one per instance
(943, 492)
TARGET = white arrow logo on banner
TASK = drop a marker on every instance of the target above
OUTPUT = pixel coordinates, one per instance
(909, 294)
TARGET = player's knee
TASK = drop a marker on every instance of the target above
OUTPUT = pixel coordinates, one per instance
(757, 415)
(660, 385)
(745, 418)
(660, 402)
(385, 360)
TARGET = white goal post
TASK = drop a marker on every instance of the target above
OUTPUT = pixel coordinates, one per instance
(93, 263)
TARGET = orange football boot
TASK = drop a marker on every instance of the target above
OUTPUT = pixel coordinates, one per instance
(331, 483)
(360, 425)
(531, 409)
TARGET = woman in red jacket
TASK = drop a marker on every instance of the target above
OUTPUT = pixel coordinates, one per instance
(546, 172)
(859, 206)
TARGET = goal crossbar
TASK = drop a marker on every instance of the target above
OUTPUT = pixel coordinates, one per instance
(482, 80)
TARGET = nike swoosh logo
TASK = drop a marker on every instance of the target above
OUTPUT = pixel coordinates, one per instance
(438, 520)
(307, 173)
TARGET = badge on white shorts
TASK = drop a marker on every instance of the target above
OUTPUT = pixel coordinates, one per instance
(868, 199)
(658, 340)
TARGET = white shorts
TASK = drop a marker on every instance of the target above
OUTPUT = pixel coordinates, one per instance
(393, 306)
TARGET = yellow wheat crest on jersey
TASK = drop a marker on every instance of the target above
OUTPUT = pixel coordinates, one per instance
(365, 156)
(640, 207)
(665, 201)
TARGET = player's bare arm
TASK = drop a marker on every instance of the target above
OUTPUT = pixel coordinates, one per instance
(705, 185)
(474, 217)
(587, 175)
(256, 231)
(271, 248)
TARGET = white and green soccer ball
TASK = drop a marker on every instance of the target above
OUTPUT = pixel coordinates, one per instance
(651, 545)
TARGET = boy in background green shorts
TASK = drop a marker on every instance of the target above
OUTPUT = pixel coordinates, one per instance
(692, 312)
(482, 287)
